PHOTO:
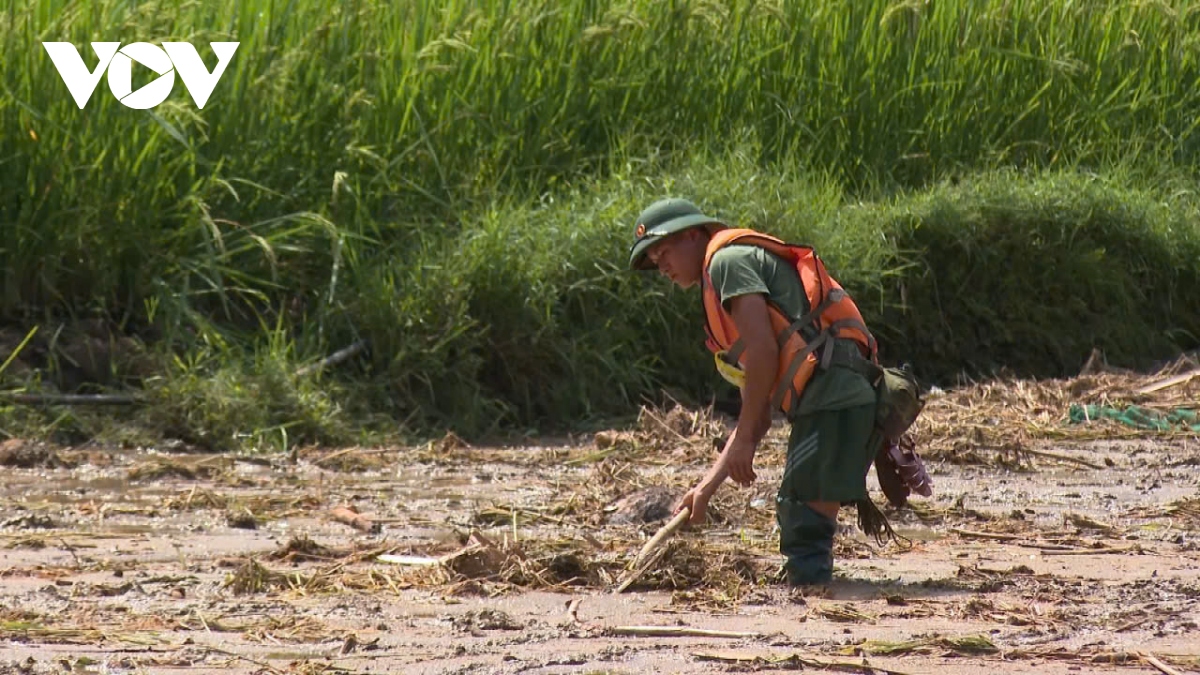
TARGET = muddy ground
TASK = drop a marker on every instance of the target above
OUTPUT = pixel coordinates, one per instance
(1046, 548)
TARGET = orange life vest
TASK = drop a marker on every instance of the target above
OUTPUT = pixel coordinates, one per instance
(832, 315)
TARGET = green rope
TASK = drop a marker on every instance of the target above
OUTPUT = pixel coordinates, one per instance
(1180, 419)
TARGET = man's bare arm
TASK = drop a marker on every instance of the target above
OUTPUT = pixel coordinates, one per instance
(761, 360)
(760, 365)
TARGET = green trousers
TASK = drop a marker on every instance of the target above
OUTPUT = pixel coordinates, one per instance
(829, 453)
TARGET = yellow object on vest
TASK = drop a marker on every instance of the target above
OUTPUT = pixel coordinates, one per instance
(732, 374)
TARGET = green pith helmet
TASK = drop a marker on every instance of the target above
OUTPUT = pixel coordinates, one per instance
(661, 219)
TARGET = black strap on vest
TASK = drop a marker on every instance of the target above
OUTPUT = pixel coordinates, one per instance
(824, 340)
(734, 353)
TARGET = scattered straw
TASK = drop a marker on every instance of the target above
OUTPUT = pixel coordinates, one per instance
(971, 644)
(300, 548)
(351, 460)
(160, 468)
(23, 454)
(789, 661)
(1186, 509)
(996, 422)
(844, 612)
(674, 436)
(252, 577)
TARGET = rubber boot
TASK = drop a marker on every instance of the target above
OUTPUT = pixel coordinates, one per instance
(806, 540)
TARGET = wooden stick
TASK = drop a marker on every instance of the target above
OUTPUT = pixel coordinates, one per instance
(677, 631)
(340, 453)
(791, 659)
(731, 657)
(347, 515)
(1047, 548)
(1061, 458)
(1170, 381)
(334, 358)
(1094, 551)
(1162, 667)
(660, 536)
(411, 560)
(633, 576)
(653, 549)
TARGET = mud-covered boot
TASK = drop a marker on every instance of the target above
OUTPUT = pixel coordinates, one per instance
(806, 539)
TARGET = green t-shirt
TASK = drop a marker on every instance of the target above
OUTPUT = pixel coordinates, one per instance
(741, 269)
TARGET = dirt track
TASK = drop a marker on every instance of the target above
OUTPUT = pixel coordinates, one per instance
(119, 561)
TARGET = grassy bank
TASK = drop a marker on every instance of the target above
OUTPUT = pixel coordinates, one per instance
(455, 181)
(527, 319)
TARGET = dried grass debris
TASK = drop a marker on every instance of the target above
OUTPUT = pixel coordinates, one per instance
(963, 645)
(675, 435)
(486, 619)
(844, 612)
(300, 548)
(163, 468)
(241, 519)
(1186, 509)
(1008, 416)
(29, 521)
(252, 577)
(196, 498)
(350, 460)
(19, 453)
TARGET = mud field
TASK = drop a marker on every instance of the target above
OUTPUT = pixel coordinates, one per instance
(1047, 547)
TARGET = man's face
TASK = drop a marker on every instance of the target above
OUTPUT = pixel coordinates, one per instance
(680, 257)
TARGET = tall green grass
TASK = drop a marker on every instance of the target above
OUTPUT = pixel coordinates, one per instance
(380, 121)
(455, 181)
(1026, 274)
(526, 317)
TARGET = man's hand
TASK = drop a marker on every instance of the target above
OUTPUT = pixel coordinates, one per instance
(736, 461)
(696, 499)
